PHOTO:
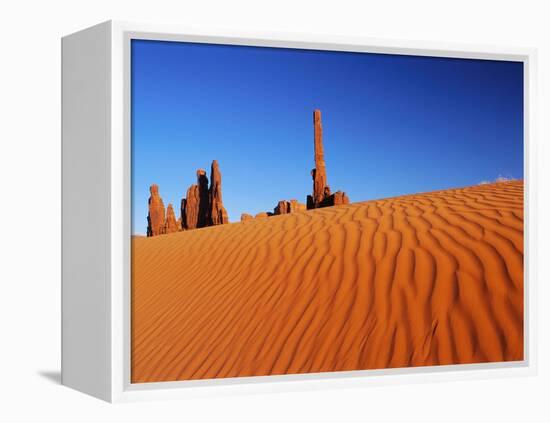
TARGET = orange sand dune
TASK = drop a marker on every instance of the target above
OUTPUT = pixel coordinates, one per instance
(418, 280)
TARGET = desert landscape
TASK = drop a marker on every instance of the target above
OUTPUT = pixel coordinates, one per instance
(203, 205)
(427, 279)
(308, 211)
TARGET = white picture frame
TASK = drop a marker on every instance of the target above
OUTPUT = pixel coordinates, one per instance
(96, 191)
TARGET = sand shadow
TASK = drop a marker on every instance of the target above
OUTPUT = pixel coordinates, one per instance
(54, 376)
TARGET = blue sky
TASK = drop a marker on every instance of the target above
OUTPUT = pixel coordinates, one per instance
(392, 124)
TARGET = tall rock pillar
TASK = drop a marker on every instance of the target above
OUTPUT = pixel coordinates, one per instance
(321, 196)
(194, 208)
(183, 213)
(319, 174)
(190, 207)
(156, 217)
(217, 213)
(203, 209)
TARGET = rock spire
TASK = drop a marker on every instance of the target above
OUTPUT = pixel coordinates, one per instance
(155, 218)
(171, 225)
(321, 195)
(319, 173)
(217, 215)
(203, 205)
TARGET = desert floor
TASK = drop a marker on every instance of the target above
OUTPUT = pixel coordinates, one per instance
(417, 280)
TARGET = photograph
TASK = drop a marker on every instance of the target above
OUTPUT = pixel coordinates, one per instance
(275, 212)
(301, 211)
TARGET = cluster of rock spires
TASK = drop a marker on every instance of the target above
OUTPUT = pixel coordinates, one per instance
(203, 205)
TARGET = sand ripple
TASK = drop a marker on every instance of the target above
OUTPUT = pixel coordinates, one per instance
(417, 280)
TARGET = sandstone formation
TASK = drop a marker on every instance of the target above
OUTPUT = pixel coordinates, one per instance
(170, 225)
(340, 198)
(319, 174)
(203, 204)
(190, 207)
(246, 216)
(194, 208)
(285, 207)
(155, 218)
(321, 196)
(183, 212)
(203, 207)
(295, 206)
(217, 215)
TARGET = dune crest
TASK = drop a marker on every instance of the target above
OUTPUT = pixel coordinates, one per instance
(427, 279)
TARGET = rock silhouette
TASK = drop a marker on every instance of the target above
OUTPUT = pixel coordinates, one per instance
(217, 214)
(203, 206)
(155, 218)
(183, 212)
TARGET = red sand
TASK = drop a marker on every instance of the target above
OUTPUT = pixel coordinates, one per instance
(418, 280)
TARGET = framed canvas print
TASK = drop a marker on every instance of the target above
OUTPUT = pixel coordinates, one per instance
(259, 212)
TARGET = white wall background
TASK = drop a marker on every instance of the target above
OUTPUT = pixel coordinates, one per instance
(30, 34)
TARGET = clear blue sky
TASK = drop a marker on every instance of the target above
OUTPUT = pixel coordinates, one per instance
(392, 124)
